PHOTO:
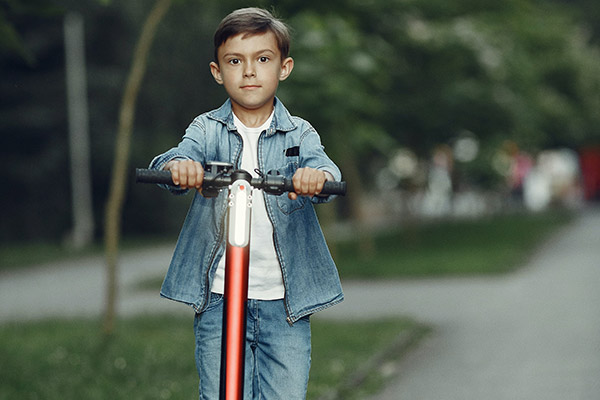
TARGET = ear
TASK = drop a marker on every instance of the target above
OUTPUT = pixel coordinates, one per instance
(287, 66)
(216, 72)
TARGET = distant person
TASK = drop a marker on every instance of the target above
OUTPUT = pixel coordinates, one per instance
(292, 274)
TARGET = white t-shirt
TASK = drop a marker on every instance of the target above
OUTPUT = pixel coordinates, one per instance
(265, 281)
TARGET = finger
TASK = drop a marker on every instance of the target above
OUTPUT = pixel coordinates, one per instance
(191, 174)
(292, 196)
(183, 175)
(199, 175)
(305, 178)
(313, 183)
(306, 183)
(175, 173)
(297, 180)
(188, 174)
(320, 182)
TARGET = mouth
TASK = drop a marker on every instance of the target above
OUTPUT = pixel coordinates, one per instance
(250, 87)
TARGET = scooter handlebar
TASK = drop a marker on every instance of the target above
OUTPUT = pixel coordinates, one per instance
(273, 184)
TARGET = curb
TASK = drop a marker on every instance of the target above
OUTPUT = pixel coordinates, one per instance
(383, 363)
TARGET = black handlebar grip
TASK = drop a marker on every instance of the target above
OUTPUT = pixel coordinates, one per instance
(153, 176)
(331, 187)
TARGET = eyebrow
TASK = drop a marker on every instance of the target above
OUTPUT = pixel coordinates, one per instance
(255, 54)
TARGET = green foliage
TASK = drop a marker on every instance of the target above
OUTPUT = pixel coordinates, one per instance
(153, 357)
(340, 353)
(486, 246)
(370, 75)
(419, 73)
(588, 15)
(149, 359)
(11, 12)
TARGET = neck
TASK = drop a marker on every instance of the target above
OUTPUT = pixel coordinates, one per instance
(253, 118)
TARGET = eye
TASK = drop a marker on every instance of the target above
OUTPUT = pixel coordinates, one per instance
(234, 61)
(263, 59)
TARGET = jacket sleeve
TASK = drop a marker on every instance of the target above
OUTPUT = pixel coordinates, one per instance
(191, 147)
(312, 155)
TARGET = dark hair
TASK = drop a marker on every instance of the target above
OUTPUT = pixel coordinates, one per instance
(252, 21)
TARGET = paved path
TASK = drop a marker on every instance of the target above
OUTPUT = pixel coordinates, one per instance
(534, 334)
(76, 288)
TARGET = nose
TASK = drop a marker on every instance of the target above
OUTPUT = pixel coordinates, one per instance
(250, 70)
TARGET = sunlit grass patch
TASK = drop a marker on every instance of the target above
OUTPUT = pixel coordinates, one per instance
(458, 247)
(152, 357)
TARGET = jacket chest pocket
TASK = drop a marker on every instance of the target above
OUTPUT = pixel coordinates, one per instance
(284, 204)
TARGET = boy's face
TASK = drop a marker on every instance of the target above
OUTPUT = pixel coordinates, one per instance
(250, 68)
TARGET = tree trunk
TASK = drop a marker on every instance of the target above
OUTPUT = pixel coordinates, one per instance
(350, 165)
(82, 232)
(114, 204)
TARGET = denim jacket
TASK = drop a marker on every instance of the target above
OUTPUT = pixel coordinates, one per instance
(309, 274)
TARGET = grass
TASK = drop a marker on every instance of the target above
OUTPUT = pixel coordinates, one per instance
(348, 357)
(71, 359)
(20, 255)
(153, 358)
(491, 245)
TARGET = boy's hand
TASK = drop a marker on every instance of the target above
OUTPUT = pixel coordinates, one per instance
(307, 182)
(186, 174)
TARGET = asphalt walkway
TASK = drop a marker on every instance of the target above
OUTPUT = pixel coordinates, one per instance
(76, 288)
(530, 335)
(533, 334)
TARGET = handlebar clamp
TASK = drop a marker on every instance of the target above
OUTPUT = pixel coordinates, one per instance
(214, 169)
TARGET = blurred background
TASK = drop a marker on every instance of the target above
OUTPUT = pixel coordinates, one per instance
(431, 108)
(479, 116)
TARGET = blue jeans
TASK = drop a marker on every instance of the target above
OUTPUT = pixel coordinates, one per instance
(277, 354)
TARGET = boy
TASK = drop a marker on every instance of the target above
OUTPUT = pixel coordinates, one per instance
(292, 274)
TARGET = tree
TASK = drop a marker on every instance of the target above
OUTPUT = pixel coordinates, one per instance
(338, 64)
(82, 233)
(418, 73)
(10, 38)
(116, 197)
(371, 76)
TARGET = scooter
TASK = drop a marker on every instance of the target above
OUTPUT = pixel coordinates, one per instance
(240, 185)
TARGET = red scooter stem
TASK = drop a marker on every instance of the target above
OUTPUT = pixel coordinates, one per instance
(237, 262)
(234, 322)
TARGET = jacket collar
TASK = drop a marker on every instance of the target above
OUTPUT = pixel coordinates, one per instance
(282, 120)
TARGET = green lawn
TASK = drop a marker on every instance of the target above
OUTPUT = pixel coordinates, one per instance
(466, 247)
(153, 358)
(22, 255)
